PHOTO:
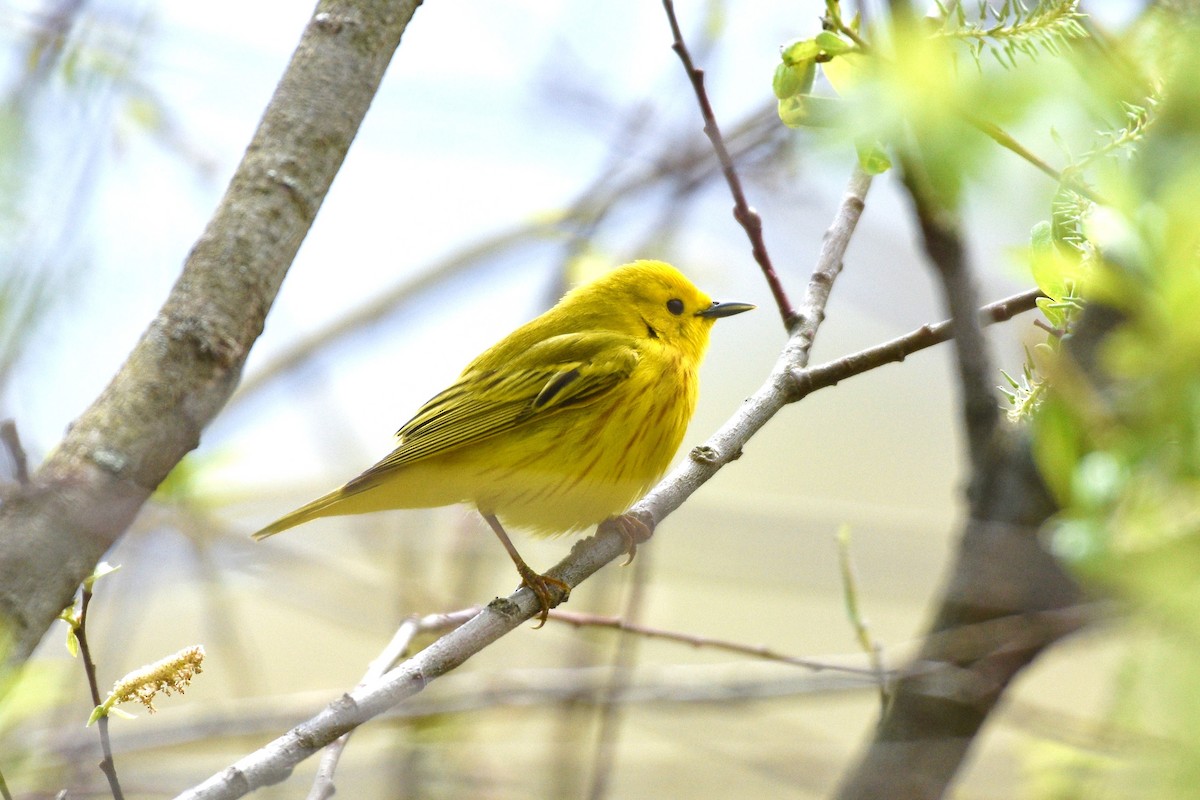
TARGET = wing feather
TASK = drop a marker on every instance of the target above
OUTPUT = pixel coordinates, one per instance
(558, 373)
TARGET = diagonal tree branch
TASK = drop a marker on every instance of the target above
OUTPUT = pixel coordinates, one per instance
(187, 363)
(274, 762)
(829, 374)
(323, 786)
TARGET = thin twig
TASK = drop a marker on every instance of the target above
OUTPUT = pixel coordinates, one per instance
(467, 693)
(831, 373)
(829, 261)
(12, 442)
(1006, 140)
(412, 627)
(746, 216)
(833, 21)
(582, 619)
(4, 793)
(862, 628)
(108, 765)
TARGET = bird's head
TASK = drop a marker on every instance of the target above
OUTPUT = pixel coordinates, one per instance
(653, 300)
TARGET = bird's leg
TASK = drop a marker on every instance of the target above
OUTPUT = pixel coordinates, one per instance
(542, 586)
(634, 530)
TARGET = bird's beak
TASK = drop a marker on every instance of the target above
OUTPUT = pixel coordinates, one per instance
(724, 310)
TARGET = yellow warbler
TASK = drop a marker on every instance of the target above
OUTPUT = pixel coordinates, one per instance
(565, 422)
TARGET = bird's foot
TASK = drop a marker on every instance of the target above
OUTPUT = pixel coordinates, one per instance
(635, 531)
(545, 589)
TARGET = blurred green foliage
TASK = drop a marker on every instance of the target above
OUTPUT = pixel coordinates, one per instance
(1118, 440)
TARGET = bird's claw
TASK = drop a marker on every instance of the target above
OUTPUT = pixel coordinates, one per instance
(634, 531)
(544, 589)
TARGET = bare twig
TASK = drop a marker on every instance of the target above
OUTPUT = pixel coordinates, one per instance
(11, 440)
(470, 692)
(862, 628)
(412, 627)
(832, 372)
(746, 216)
(108, 766)
(1008, 142)
(581, 619)
(829, 260)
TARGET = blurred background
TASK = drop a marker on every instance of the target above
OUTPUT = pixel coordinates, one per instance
(514, 149)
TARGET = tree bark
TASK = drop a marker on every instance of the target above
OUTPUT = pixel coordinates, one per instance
(187, 363)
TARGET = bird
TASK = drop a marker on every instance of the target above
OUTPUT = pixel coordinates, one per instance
(562, 424)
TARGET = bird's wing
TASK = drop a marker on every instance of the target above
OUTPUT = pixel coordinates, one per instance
(557, 373)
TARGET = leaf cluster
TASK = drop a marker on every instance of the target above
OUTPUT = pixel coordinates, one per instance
(898, 84)
(1010, 29)
(1117, 434)
(1114, 414)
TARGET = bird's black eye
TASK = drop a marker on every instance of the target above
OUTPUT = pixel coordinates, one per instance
(675, 306)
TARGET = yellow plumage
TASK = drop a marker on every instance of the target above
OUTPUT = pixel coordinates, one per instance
(565, 422)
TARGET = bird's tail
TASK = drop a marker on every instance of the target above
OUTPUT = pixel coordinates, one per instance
(321, 507)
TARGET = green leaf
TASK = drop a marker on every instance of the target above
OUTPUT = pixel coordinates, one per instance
(793, 111)
(832, 44)
(1058, 445)
(793, 79)
(1045, 263)
(1053, 313)
(102, 569)
(68, 616)
(799, 51)
(1042, 236)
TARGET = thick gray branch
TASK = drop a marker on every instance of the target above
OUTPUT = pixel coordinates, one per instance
(187, 363)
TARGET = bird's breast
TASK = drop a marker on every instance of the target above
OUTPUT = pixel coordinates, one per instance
(582, 465)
